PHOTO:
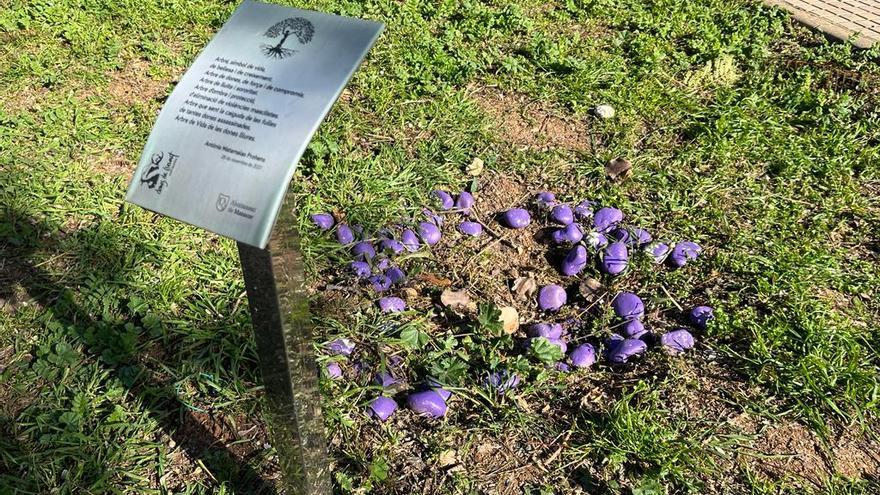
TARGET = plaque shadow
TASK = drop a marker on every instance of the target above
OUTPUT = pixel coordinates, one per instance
(24, 237)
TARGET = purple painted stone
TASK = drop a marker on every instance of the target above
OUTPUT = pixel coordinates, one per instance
(659, 251)
(641, 236)
(445, 198)
(571, 233)
(341, 347)
(410, 240)
(677, 340)
(583, 356)
(323, 220)
(361, 269)
(465, 201)
(615, 258)
(683, 252)
(427, 403)
(597, 241)
(501, 380)
(363, 250)
(391, 304)
(575, 261)
(391, 245)
(515, 218)
(584, 210)
(384, 379)
(429, 232)
(470, 228)
(383, 264)
(380, 283)
(562, 214)
(435, 385)
(382, 408)
(333, 370)
(547, 330)
(344, 234)
(551, 297)
(545, 199)
(634, 329)
(628, 306)
(607, 218)
(563, 367)
(432, 217)
(628, 348)
(701, 315)
(395, 274)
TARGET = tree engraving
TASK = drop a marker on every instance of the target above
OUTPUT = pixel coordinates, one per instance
(301, 28)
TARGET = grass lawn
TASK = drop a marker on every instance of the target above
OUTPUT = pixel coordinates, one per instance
(127, 361)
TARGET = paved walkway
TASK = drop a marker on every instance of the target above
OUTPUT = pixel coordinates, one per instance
(839, 18)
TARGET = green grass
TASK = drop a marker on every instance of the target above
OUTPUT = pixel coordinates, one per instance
(135, 322)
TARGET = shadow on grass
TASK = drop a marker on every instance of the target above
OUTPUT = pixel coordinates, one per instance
(26, 239)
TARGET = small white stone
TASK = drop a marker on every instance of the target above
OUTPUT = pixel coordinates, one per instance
(604, 111)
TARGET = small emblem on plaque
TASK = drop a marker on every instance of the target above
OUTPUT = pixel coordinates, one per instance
(298, 26)
(222, 202)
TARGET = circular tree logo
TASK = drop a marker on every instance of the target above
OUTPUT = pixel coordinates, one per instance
(301, 28)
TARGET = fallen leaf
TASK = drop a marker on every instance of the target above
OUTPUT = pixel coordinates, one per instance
(618, 168)
(510, 319)
(590, 288)
(410, 294)
(456, 300)
(475, 168)
(447, 458)
(435, 280)
(524, 287)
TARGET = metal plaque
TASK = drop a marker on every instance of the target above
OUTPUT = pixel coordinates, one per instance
(227, 141)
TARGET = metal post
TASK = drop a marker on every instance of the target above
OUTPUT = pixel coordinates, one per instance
(282, 324)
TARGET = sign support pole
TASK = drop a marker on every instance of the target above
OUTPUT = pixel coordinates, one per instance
(275, 284)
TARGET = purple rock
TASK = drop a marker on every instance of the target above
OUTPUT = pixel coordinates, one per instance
(584, 210)
(341, 347)
(384, 379)
(571, 233)
(344, 234)
(626, 349)
(464, 202)
(634, 329)
(516, 218)
(333, 370)
(597, 241)
(429, 232)
(395, 275)
(391, 245)
(323, 220)
(382, 408)
(380, 283)
(433, 217)
(628, 306)
(563, 367)
(640, 236)
(436, 386)
(501, 380)
(677, 340)
(547, 330)
(545, 199)
(410, 240)
(391, 304)
(363, 250)
(683, 252)
(562, 214)
(445, 198)
(574, 261)
(383, 264)
(427, 403)
(607, 218)
(583, 356)
(361, 269)
(658, 250)
(701, 315)
(615, 258)
(470, 228)
(551, 297)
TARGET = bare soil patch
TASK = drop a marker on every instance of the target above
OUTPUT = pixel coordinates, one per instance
(133, 84)
(528, 123)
